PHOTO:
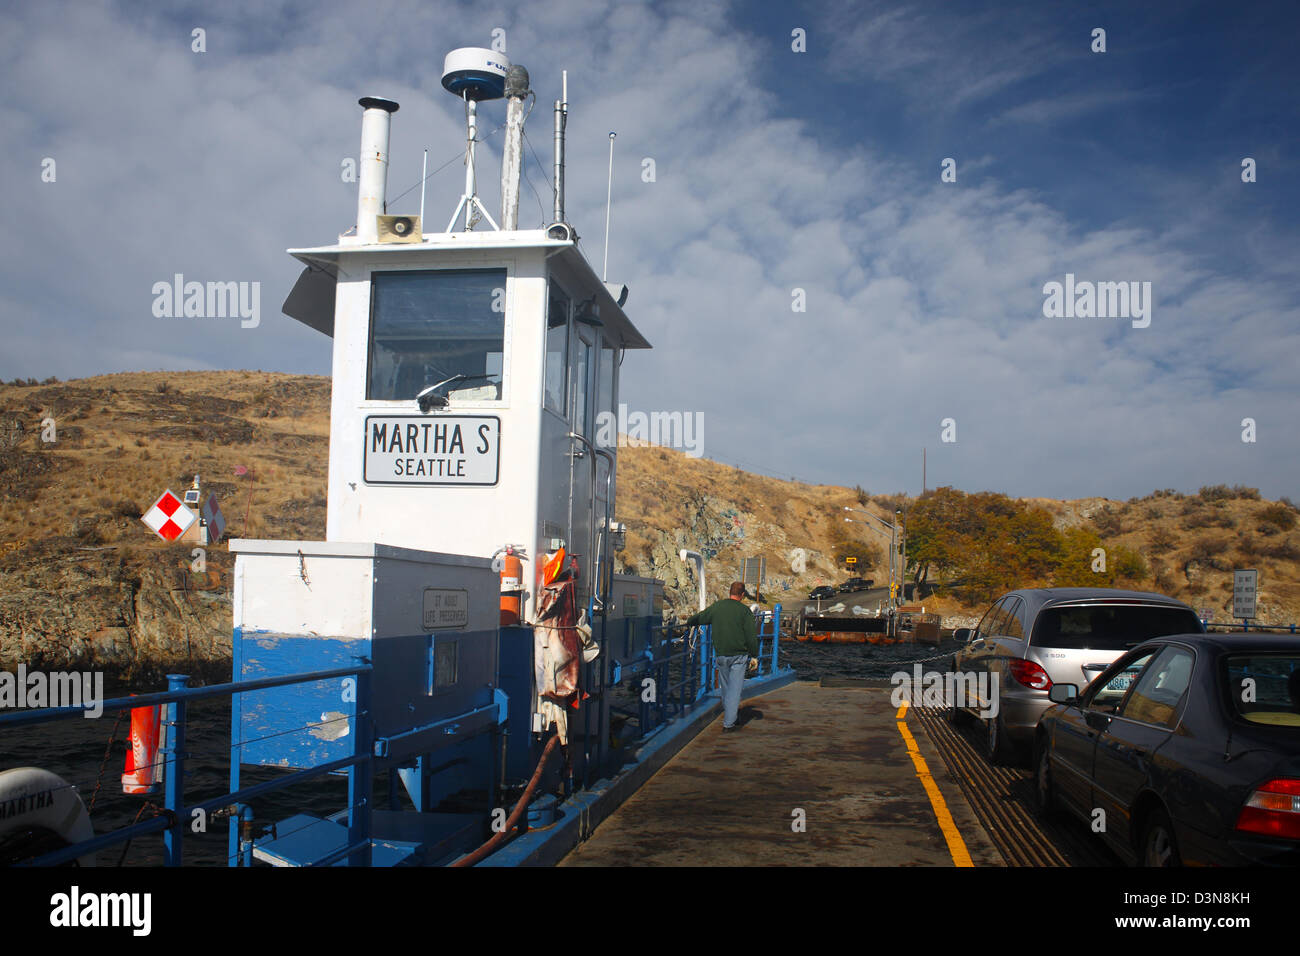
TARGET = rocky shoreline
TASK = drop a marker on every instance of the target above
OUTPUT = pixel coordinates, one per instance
(135, 617)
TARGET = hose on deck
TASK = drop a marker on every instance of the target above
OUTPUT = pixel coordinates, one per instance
(492, 845)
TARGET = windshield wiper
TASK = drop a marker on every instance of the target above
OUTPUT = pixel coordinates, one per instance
(429, 398)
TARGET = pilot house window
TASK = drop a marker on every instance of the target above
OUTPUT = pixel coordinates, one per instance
(557, 349)
(443, 327)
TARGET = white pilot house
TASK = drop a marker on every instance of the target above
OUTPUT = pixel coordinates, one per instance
(469, 368)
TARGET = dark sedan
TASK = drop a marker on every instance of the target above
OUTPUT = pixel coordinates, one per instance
(823, 593)
(1186, 750)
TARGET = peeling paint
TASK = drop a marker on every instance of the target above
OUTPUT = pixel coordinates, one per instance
(333, 725)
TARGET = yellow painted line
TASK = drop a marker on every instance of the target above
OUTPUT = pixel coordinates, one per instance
(956, 845)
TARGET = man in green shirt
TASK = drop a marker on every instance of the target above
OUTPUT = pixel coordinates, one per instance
(735, 641)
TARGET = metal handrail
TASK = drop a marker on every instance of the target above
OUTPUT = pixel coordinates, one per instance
(1246, 627)
(696, 681)
(45, 714)
(176, 813)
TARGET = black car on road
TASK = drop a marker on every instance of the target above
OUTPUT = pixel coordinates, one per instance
(822, 593)
(855, 584)
(1186, 750)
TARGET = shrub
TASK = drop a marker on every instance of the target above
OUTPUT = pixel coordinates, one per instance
(1162, 541)
(1216, 493)
(1107, 522)
(1279, 516)
(891, 502)
(127, 508)
(1282, 550)
(1208, 549)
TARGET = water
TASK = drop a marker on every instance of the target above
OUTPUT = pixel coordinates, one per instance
(75, 750)
(872, 661)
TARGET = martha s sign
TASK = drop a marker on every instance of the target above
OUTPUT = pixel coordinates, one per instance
(424, 450)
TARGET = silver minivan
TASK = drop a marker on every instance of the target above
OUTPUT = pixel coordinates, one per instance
(1034, 638)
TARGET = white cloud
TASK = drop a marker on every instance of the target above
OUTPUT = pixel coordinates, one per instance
(923, 302)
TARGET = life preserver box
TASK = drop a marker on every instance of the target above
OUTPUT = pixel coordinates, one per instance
(40, 812)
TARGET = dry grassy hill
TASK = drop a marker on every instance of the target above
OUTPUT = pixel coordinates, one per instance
(83, 582)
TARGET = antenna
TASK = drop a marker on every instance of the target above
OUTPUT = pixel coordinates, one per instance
(424, 178)
(473, 74)
(561, 116)
(609, 192)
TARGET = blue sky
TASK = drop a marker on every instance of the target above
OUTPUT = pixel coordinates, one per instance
(775, 171)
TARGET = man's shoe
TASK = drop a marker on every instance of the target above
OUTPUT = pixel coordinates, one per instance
(733, 727)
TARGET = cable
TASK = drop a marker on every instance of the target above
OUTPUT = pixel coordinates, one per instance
(99, 779)
(524, 169)
(459, 155)
(545, 177)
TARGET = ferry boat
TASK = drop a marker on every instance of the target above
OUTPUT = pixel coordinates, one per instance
(460, 629)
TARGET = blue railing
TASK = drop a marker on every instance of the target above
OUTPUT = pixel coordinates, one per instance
(176, 815)
(683, 665)
(1246, 626)
(680, 660)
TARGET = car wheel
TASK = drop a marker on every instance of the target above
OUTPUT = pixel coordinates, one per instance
(996, 744)
(954, 712)
(1159, 846)
(1044, 789)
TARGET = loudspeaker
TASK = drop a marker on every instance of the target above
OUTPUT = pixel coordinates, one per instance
(399, 228)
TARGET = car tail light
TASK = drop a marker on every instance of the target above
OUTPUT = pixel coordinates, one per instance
(1273, 810)
(1030, 674)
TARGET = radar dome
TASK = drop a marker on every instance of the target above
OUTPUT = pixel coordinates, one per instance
(475, 73)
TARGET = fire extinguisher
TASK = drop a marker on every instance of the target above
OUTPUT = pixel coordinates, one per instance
(512, 576)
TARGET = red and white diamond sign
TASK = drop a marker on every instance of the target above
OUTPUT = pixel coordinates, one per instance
(215, 519)
(169, 518)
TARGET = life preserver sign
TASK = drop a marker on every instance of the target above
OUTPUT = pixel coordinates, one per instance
(432, 450)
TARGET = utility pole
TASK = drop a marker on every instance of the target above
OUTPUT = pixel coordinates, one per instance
(902, 574)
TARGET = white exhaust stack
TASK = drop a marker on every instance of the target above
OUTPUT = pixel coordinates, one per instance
(372, 177)
(512, 156)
